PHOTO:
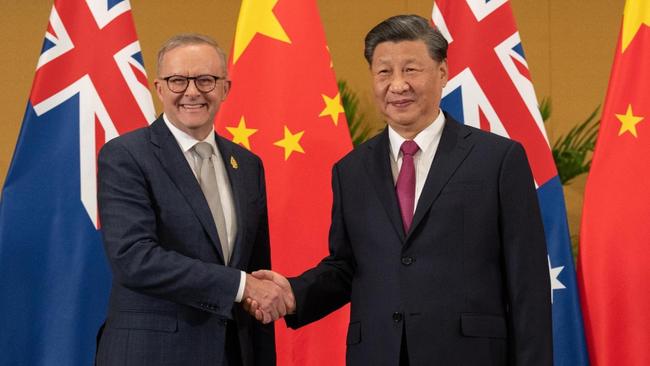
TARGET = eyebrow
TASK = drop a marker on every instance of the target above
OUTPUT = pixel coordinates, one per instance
(386, 61)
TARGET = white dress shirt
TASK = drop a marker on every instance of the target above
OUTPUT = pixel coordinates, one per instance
(427, 140)
(186, 143)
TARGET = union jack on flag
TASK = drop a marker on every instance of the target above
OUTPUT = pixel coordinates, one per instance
(490, 87)
(90, 86)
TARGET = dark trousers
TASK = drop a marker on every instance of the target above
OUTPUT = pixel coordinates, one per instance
(233, 349)
(403, 353)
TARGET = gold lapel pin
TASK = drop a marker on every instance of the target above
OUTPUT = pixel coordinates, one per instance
(233, 162)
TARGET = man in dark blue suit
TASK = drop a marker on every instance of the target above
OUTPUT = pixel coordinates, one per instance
(436, 237)
(184, 217)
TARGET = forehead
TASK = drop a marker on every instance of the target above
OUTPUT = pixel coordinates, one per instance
(192, 58)
(400, 51)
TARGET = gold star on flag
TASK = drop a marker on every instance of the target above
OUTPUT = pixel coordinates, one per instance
(333, 108)
(240, 134)
(635, 14)
(628, 121)
(290, 142)
(256, 16)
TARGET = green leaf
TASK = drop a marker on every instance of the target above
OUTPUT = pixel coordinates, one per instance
(572, 152)
(359, 130)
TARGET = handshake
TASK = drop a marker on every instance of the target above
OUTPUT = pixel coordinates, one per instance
(268, 296)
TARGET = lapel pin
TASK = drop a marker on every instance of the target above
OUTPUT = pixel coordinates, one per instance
(233, 162)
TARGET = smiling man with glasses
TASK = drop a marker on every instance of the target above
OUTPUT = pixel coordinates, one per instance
(184, 218)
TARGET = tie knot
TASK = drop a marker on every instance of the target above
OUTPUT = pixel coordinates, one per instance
(409, 147)
(204, 150)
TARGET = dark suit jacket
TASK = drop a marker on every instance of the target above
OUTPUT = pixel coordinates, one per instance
(468, 285)
(172, 296)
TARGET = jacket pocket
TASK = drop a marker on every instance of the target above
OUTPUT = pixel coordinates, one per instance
(483, 325)
(161, 322)
(354, 333)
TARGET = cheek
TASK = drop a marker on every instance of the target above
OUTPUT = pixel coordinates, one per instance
(214, 100)
(379, 90)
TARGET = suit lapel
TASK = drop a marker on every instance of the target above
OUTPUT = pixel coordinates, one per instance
(231, 164)
(381, 177)
(173, 161)
(452, 150)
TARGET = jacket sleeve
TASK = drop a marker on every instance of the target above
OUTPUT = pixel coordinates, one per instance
(326, 287)
(525, 261)
(138, 261)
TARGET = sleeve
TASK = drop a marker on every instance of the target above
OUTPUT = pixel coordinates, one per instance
(525, 260)
(326, 287)
(132, 246)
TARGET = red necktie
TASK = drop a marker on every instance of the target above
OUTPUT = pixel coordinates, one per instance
(405, 187)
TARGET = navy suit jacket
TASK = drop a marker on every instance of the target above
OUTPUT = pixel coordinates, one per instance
(467, 285)
(172, 296)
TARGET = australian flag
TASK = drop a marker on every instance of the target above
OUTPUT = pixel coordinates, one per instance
(490, 87)
(90, 86)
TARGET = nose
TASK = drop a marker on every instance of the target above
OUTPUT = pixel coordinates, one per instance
(192, 90)
(398, 84)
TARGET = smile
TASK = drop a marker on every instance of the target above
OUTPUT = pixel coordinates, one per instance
(401, 103)
(193, 106)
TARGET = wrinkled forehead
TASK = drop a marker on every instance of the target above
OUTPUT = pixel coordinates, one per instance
(400, 51)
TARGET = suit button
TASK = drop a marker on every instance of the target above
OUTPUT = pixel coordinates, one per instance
(397, 317)
(407, 261)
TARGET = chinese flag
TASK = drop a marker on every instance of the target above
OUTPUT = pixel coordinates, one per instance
(614, 265)
(285, 106)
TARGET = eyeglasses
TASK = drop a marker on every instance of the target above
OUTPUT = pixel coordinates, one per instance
(203, 83)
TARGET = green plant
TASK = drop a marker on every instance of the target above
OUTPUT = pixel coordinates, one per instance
(359, 131)
(572, 152)
(545, 108)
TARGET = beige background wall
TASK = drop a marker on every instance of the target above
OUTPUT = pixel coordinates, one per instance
(569, 45)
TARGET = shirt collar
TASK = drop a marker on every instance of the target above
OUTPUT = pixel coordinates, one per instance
(424, 138)
(185, 141)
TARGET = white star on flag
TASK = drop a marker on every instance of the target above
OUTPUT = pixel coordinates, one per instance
(555, 273)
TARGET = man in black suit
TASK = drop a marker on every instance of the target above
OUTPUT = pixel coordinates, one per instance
(184, 217)
(436, 237)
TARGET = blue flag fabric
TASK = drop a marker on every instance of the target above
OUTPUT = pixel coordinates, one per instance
(490, 87)
(90, 86)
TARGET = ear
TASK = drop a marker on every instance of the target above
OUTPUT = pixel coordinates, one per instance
(159, 84)
(444, 72)
(226, 89)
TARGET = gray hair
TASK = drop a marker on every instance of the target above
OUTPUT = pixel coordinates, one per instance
(185, 39)
(406, 28)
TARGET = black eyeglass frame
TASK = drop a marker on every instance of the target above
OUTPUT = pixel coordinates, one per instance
(194, 78)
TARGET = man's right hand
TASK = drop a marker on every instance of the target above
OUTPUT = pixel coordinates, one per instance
(271, 305)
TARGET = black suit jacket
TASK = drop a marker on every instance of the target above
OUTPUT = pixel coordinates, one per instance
(172, 296)
(467, 285)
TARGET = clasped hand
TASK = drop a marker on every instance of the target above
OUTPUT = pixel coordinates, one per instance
(268, 296)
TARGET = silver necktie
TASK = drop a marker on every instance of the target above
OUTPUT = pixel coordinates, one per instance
(208, 182)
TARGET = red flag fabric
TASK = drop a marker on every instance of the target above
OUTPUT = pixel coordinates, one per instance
(614, 262)
(285, 106)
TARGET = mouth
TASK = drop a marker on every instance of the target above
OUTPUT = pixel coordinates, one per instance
(193, 107)
(401, 103)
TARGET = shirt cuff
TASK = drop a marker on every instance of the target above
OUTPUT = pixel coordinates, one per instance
(242, 285)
